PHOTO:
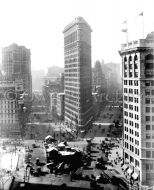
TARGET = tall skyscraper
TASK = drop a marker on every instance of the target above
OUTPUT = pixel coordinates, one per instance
(78, 76)
(138, 109)
(16, 63)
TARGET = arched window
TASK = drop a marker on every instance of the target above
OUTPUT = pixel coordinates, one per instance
(135, 58)
(149, 62)
(130, 65)
(130, 58)
(125, 59)
(135, 62)
(149, 65)
(149, 57)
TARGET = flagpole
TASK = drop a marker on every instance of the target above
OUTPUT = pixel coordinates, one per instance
(126, 33)
(143, 25)
(125, 30)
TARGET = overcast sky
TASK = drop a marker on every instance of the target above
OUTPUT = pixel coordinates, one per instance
(38, 25)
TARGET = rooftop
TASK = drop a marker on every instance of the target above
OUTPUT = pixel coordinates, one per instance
(77, 20)
(148, 42)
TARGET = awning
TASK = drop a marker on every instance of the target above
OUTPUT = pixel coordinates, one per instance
(135, 175)
(129, 171)
(61, 144)
(124, 167)
(51, 149)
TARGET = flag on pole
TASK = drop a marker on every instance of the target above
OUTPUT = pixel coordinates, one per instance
(124, 22)
(124, 30)
(125, 26)
(141, 14)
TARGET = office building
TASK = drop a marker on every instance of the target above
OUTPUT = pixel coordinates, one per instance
(78, 74)
(10, 90)
(16, 63)
(138, 109)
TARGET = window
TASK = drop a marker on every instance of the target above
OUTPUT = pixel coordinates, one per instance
(152, 92)
(148, 144)
(152, 109)
(147, 100)
(149, 166)
(148, 154)
(147, 83)
(147, 109)
(136, 163)
(147, 118)
(147, 92)
(152, 100)
(147, 127)
(152, 118)
(147, 136)
(152, 154)
(152, 83)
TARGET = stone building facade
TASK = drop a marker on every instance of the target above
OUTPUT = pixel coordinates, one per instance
(10, 92)
(138, 109)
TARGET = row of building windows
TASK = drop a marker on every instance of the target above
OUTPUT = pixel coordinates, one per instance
(131, 107)
(149, 127)
(131, 123)
(131, 115)
(72, 84)
(149, 154)
(132, 99)
(149, 83)
(75, 109)
(70, 38)
(71, 51)
(71, 102)
(71, 94)
(72, 79)
(72, 89)
(131, 131)
(71, 98)
(149, 144)
(149, 136)
(71, 70)
(71, 60)
(130, 91)
(70, 56)
(149, 118)
(132, 159)
(149, 92)
(149, 100)
(132, 148)
(131, 82)
(71, 75)
(131, 74)
(149, 167)
(7, 121)
(71, 65)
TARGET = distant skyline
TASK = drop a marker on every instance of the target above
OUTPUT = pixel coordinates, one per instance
(38, 25)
